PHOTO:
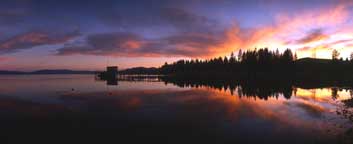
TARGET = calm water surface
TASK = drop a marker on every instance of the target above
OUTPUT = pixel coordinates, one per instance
(77, 107)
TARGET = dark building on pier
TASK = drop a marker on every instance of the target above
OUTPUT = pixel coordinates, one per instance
(110, 74)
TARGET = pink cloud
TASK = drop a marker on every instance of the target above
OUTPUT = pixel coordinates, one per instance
(31, 39)
(2, 59)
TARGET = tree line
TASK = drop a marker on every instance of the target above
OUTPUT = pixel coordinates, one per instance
(263, 63)
(247, 62)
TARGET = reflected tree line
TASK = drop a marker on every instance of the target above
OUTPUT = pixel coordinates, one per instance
(262, 89)
(249, 89)
(254, 89)
(347, 109)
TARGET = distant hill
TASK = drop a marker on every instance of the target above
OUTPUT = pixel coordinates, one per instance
(140, 70)
(313, 61)
(323, 69)
(57, 71)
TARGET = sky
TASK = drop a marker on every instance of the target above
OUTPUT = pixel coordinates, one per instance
(91, 34)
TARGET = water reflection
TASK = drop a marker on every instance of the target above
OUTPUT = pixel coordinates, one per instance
(192, 111)
(130, 78)
(264, 89)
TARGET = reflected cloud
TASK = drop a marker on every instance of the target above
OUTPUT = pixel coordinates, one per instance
(312, 109)
(324, 95)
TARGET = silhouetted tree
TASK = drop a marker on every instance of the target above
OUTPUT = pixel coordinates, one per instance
(334, 93)
(335, 54)
(277, 52)
(288, 56)
(240, 54)
(232, 59)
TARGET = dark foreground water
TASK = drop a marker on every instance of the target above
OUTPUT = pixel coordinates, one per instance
(77, 108)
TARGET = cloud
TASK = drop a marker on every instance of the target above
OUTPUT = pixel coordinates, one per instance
(323, 17)
(186, 21)
(133, 45)
(11, 17)
(287, 27)
(312, 36)
(195, 44)
(324, 48)
(2, 59)
(199, 36)
(31, 39)
(111, 19)
(194, 36)
(14, 12)
(114, 44)
(304, 48)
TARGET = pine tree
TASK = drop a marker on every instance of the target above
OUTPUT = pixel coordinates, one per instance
(240, 55)
(335, 54)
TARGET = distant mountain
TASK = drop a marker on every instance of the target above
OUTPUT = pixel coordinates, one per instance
(4, 72)
(140, 70)
(61, 71)
(57, 71)
(136, 70)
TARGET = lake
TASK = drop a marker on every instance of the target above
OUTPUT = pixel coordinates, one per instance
(80, 108)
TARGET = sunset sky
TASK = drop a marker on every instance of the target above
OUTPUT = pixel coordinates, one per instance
(90, 34)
